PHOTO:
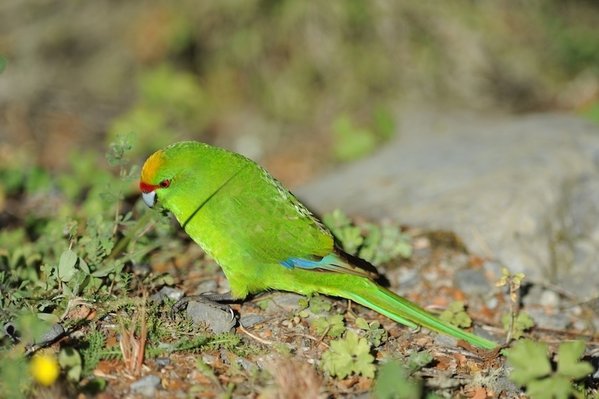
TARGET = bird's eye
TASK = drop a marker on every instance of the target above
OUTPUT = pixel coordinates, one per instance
(165, 183)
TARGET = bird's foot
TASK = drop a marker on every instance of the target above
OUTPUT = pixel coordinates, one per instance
(209, 298)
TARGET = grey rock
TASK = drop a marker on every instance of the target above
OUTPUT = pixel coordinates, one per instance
(523, 191)
(53, 332)
(146, 386)
(217, 319)
(251, 319)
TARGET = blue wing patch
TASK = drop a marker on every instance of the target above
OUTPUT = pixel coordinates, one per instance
(310, 264)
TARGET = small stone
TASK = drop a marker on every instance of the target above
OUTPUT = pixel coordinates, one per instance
(549, 298)
(53, 332)
(206, 286)
(492, 302)
(141, 269)
(445, 340)
(472, 282)
(162, 362)
(284, 302)
(217, 319)
(167, 292)
(250, 319)
(209, 359)
(146, 386)
(245, 364)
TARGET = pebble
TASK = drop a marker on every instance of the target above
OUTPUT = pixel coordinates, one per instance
(206, 286)
(217, 319)
(284, 301)
(146, 386)
(250, 319)
(549, 298)
(53, 332)
(445, 341)
(167, 292)
(162, 362)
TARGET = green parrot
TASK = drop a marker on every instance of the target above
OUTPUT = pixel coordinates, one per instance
(263, 237)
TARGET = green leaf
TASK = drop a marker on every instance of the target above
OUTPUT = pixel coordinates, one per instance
(554, 387)
(66, 265)
(3, 63)
(529, 360)
(568, 363)
(319, 304)
(362, 324)
(375, 334)
(456, 314)
(70, 360)
(332, 325)
(347, 356)
(393, 383)
(522, 323)
(418, 360)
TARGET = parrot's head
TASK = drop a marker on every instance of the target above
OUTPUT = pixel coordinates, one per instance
(177, 173)
(183, 173)
(156, 176)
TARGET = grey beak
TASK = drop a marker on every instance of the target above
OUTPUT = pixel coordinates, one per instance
(149, 198)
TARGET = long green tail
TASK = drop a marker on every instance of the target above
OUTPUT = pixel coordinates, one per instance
(366, 292)
(405, 312)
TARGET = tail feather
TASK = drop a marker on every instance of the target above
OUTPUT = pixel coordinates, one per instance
(408, 313)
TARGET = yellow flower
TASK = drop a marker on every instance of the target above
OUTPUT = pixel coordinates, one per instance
(44, 369)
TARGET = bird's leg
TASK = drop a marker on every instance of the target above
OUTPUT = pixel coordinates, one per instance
(208, 298)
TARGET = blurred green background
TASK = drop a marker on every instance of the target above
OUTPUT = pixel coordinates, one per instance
(297, 85)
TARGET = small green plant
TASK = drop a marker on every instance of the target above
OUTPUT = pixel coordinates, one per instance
(532, 369)
(393, 382)
(320, 304)
(352, 141)
(70, 361)
(375, 334)
(94, 350)
(347, 356)
(513, 283)
(456, 315)
(376, 244)
(348, 235)
(519, 325)
(393, 378)
(332, 326)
